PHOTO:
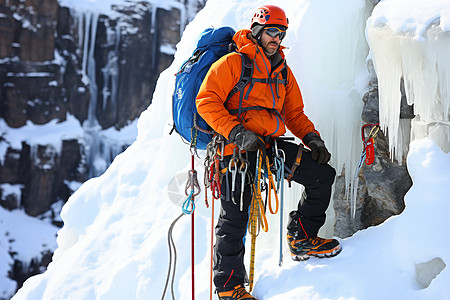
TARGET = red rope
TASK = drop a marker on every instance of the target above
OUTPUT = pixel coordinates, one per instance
(214, 180)
(212, 251)
(192, 241)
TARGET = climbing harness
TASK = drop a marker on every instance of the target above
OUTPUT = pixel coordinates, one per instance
(298, 159)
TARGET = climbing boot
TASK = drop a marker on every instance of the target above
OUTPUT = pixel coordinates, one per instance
(302, 249)
(238, 292)
(303, 246)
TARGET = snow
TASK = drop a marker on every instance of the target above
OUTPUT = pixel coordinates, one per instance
(403, 16)
(167, 49)
(17, 224)
(114, 241)
(27, 238)
(11, 189)
(29, 74)
(51, 133)
(8, 286)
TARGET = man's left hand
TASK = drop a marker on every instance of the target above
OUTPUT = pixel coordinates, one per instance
(318, 150)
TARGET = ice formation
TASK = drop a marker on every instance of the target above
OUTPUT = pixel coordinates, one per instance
(415, 49)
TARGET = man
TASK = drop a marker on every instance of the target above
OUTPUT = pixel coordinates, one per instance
(268, 105)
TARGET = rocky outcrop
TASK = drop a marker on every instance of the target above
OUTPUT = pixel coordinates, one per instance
(382, 185)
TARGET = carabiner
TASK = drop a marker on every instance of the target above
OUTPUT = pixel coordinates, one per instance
(232, 168)
(192, 184)
(243, 172)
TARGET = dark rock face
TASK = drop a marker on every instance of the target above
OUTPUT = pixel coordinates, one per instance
(28, 25)
(56, 62)
(382, 185)
(27, 71)
(42, 172)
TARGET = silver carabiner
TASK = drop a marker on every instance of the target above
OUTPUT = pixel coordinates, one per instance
(243, 172)
(232, 168)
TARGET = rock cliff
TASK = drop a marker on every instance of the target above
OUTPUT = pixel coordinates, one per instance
(83, 74)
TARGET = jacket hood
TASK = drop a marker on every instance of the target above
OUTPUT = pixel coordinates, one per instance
(247, 46)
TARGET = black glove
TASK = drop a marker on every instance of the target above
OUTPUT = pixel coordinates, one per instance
(318, 150)
(246, 139)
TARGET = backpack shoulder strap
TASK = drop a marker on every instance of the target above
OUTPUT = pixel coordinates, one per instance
(245, 78)
(284, 73)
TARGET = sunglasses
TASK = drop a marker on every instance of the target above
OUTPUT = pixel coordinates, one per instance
(275, 31)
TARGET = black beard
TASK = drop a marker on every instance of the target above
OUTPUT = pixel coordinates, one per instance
(267, 52)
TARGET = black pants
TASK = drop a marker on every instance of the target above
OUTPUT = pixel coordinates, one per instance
(229, 269)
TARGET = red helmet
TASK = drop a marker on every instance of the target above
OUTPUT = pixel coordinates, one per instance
(269, 14)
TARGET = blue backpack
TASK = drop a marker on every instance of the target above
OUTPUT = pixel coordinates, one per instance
(211, 45)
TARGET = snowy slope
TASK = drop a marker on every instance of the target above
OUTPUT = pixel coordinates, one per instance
(113, 244)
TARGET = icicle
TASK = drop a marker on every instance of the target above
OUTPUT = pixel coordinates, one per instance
(91, 125)
(183, 17)
(425, 67)
(154, 33)
(111, 70)
(34, 154)
(86, 19)
(353, 195)
(79, 20)
(115, 76)
(91, 68)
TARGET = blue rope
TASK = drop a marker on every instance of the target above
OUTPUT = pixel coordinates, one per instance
(189, 202)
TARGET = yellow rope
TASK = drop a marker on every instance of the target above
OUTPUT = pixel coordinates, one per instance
(254, 216)
(258, 217)
(253, 232)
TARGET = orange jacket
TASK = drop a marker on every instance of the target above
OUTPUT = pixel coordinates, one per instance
(225, 73)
